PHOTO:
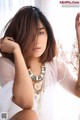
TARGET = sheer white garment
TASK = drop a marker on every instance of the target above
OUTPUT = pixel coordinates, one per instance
(44, 105)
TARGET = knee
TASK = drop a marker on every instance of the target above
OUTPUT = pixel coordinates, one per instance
(30, 115)
(25, 115)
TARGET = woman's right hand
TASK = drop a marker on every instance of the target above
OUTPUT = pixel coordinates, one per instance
(8, 45)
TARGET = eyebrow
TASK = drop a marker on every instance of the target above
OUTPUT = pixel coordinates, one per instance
(41, 28)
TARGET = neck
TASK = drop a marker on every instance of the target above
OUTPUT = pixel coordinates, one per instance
(35, 66)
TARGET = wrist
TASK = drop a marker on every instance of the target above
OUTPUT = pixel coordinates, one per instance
(16, 49)
(78, 55)
(77, 90)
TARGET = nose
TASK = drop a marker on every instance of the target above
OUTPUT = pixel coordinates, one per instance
(36, 40)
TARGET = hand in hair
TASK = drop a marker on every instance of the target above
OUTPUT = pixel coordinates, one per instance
(8, 45)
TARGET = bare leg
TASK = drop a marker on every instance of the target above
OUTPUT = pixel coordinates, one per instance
(25, 115)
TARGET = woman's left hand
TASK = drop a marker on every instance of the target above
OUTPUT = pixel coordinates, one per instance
(77, 26)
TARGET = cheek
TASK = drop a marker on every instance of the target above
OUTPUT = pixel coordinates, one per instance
(45, 41)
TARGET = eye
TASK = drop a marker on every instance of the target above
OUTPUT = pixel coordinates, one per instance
(41, 33)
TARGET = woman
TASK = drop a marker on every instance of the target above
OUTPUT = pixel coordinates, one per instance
(29, 67)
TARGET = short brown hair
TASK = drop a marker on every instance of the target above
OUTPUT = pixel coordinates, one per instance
(23, 27)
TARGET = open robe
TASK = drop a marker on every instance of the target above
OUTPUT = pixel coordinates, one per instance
(49, 106)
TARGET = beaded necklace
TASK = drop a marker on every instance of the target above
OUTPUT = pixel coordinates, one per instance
(38, 79)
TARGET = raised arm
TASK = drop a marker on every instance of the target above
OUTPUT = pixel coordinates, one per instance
(22, 88)
(77, 26)
(69, 82)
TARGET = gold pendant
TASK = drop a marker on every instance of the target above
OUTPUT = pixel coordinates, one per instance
(37, 87)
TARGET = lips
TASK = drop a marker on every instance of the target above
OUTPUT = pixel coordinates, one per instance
(36, 48)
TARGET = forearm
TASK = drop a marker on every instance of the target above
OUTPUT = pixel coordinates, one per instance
(78, 39)
(79, 74)
(78, 57)
(22, 89)
(78, 81)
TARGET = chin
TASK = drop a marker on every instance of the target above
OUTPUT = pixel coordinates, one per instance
(37, 55)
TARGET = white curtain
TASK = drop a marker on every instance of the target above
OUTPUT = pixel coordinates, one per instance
(9, 7)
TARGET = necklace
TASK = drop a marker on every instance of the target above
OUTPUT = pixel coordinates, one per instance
(38, 79)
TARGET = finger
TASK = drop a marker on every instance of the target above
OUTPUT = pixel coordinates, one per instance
(10, 38)
(0, 40)
(77, 20)
(78, 17)
(0, 45)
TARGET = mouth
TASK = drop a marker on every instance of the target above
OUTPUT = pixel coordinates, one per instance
(36, 48)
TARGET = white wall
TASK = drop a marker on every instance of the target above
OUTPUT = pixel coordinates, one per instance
(9, 7)
(62, 20)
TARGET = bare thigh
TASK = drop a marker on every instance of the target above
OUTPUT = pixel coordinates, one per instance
(25, 115)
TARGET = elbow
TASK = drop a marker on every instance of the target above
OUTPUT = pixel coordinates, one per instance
(24, 104)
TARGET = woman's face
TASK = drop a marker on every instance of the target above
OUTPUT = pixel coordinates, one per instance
(41, 41)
